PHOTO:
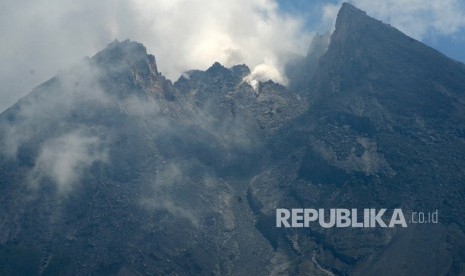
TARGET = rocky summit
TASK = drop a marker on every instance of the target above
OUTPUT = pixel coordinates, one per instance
(109, 168)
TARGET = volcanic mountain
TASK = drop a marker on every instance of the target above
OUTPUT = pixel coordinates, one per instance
(109, 168)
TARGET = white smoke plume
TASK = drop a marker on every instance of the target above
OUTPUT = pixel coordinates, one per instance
(268, 70)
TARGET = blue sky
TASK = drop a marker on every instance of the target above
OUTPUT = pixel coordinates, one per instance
(451, 46)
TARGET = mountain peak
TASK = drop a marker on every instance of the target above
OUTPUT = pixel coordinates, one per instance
(352, 19)
(356, 34)
(126, 66)
(125, 54)
(217, 69)
(350, 10)
(237, 71)
(367, 58)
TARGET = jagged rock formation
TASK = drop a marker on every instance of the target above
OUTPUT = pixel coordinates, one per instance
(111, 169)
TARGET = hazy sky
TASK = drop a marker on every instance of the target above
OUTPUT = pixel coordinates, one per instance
(41, 37)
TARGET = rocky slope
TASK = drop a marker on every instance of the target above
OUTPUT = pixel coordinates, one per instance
(111, 169)
(384, 130)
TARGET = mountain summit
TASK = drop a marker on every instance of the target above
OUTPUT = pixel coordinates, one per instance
(126, 66)
(127, 53)
(109, 168)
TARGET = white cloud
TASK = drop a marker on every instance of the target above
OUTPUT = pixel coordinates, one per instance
(39, 37)
(231, 31)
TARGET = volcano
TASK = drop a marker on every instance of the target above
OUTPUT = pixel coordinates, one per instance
(110, 168)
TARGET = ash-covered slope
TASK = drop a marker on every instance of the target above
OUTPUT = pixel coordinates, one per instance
(110, 168)
(385, 129)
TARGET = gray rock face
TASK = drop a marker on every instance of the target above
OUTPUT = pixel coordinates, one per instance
(111, 169)
(383, 130)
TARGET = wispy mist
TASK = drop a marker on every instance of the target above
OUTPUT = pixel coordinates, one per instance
(66, 158)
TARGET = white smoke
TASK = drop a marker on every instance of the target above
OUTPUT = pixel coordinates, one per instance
(268, 70)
